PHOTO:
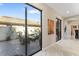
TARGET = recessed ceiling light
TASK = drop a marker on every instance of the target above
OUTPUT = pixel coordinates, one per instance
(68, 12)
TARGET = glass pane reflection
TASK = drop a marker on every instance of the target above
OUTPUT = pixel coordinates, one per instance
(33, 30)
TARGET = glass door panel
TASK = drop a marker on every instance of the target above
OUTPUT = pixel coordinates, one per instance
(58, 29)
(34, 36)
(12, 29)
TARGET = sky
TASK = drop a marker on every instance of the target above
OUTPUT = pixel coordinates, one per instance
(33, 14)
(18, 10)
(13, 9)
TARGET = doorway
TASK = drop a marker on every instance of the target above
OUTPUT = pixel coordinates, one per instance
(76, 34)
(58, 29)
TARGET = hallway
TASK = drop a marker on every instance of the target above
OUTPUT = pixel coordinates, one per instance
(46, 29)
(59, 24)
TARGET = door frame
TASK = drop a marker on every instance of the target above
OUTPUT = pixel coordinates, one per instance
(26, 28)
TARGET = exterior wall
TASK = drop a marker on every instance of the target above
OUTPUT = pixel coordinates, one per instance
(3, 33)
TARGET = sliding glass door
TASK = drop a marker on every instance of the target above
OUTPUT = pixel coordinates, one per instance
(33, 29)
(12, 29)
(58, 29)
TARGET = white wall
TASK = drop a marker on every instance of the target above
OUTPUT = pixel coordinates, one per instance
(3, 33)
(47, 13)
(67, 34)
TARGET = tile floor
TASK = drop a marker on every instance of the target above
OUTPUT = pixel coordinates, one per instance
(11, 48)
(62, 48)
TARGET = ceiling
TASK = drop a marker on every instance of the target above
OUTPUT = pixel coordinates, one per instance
(65, 9)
